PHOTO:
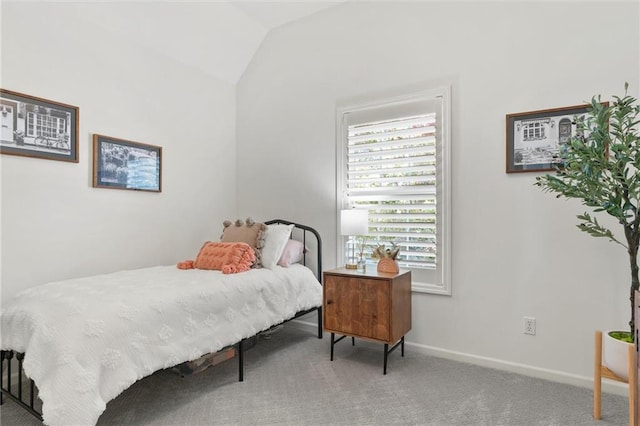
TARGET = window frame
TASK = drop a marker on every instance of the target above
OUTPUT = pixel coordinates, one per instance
(442, 275)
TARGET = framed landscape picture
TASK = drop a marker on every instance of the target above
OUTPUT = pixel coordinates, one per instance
(123, 164)
(535, 138)
(36, 127)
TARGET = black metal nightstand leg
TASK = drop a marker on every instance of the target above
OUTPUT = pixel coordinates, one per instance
(333, 336)
(402, 347)
(386, 355)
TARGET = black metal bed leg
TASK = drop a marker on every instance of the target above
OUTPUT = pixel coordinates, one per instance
(32, 392)
(240, 361)
(320, 323)
(20, 358)
(8, 355)
(1, 381)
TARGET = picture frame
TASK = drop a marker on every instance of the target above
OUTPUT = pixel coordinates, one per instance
(37, 127)
(123, 164)
(535, 138)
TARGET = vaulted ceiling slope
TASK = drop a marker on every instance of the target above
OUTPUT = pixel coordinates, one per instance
(218, 38)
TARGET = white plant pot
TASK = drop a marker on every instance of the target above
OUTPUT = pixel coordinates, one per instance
(614, 355)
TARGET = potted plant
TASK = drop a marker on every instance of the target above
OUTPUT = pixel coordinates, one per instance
(601, 167)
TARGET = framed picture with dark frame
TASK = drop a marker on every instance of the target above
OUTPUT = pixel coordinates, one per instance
(535, 138)
(37, 127)
(123, 164)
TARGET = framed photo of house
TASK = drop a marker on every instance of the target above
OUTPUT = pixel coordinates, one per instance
(535, 138)
(123, 164)
(36, 127)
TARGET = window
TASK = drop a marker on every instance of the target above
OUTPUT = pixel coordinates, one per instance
(534, 131)
(51, 125)
(394, 163)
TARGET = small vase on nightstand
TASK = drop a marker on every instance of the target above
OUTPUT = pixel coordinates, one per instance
(388, 265)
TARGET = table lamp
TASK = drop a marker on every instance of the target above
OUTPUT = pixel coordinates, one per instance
(353, 222)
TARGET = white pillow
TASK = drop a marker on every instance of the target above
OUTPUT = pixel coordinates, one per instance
(275, 240)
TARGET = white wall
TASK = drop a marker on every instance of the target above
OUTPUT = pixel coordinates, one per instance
(516, 251)
(54, 224)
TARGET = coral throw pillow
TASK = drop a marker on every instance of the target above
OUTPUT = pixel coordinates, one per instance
(229, 258)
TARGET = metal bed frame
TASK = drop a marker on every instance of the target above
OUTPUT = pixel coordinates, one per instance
(24, 392)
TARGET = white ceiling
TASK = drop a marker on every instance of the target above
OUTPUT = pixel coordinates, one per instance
(218, 38)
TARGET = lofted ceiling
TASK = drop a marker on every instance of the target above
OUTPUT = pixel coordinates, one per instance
(218, 38)
(272, 14)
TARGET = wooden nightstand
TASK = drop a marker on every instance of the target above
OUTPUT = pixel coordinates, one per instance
(368, 305)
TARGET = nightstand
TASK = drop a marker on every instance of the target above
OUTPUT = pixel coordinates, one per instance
(368, 305)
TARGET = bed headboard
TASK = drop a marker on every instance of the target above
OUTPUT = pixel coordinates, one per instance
(310, 238)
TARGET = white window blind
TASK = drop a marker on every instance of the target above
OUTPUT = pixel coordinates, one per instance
(394, 161)
(391, 172)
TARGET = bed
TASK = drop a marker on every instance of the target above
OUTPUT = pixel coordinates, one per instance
(76, 344)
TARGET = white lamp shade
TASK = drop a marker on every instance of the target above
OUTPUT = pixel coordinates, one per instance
(354, 222)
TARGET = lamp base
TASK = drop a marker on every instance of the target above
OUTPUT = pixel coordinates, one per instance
(351, 266)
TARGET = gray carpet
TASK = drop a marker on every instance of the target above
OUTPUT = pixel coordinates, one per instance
(289, 380)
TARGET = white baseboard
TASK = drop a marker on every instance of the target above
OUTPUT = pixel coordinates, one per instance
(608, 386)
(616, 388)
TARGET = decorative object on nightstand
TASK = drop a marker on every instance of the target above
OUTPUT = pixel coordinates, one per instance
(353, 223)
(361, 242)
(387, 262)
(372, 306)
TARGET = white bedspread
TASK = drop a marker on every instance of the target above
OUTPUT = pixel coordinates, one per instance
(87, 340)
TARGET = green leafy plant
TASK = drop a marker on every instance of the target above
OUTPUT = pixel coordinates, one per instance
(602, 168)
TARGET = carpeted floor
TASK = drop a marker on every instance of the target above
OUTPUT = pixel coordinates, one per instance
(289, 380)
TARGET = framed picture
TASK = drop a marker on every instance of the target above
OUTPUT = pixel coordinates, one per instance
(122, 164)
(36, 127)
(535, 138)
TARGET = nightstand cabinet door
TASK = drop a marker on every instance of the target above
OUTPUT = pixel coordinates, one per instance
(367, 305)
(357, 306)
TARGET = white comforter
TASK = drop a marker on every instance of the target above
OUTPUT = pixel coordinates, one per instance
(87, 340)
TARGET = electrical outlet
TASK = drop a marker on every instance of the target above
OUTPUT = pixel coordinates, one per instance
(529, 325)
